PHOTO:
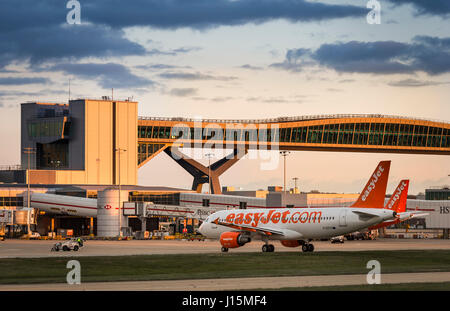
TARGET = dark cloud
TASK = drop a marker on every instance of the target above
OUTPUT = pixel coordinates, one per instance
(221, 99)
(295, 60)
(183, 50)
(423, 54)
(160, 67)
(414, 83)
(201, 14)
(109, 75)
(427, 7)
(174, 52)
(250, 67)
(37, 31)
(194, 76)
(183, 92)
(71, 42)
(364, 57)
(43, 92)
(22, 81)
(275, 100)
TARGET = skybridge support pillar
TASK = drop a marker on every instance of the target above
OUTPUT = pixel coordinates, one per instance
(205, 174)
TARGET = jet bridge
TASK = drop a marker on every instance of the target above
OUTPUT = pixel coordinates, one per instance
(106, 210)
(145, 209)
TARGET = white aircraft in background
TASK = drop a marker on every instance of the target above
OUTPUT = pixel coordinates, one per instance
(298, 226)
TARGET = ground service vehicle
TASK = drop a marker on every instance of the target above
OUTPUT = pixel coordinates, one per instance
(337, 239)
(68, 245)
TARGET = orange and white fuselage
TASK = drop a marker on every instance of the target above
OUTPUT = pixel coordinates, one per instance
(293, 223)
(297, 226)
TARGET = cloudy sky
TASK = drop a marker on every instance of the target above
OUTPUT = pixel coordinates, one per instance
(237, 59)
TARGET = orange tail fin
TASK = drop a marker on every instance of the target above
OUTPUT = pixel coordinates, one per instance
(374, 192)
(397, 202)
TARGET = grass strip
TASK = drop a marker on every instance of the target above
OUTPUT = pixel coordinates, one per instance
(229, 265)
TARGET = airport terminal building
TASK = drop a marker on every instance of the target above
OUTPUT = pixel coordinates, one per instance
(88, 145)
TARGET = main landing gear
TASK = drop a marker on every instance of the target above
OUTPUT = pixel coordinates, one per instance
(307, 248)
(268, 248)
(224, 249)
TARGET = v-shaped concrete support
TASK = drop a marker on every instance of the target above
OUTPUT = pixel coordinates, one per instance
(203, 174)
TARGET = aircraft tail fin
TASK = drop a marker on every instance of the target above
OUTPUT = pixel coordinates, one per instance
(397, 202)
(374, 192)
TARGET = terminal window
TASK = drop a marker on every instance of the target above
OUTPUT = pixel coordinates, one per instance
(11, 201)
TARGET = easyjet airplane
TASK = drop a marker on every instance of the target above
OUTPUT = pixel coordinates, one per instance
(397, 202)
(298, 226)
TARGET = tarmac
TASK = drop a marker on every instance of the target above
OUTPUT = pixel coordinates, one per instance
(236, 283)
(41, 248)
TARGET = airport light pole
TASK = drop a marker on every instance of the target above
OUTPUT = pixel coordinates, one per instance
(28, 151)
(284, 154)
(119, 150)
(209, 155)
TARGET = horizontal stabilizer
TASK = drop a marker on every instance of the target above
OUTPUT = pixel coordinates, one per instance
(408, 215)
(365, 214)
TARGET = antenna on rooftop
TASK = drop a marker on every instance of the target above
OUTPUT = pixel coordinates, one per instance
(69, 89)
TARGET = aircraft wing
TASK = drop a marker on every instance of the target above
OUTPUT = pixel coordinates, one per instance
(263, 231)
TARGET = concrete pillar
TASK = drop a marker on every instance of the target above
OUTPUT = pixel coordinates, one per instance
(108, 212)
(143, 223)
(445, 234)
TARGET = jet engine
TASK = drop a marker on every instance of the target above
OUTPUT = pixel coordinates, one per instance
(291, 243)
(233, 239)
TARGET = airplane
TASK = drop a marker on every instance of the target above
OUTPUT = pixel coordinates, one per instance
(298, 226)
(397, 202)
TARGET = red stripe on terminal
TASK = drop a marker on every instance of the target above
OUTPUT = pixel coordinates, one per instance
(217, 203)
(421, 209)
(68, 205)
(168, 210)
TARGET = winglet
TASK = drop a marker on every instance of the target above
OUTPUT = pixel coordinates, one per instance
(397, 202)
(374, 192)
